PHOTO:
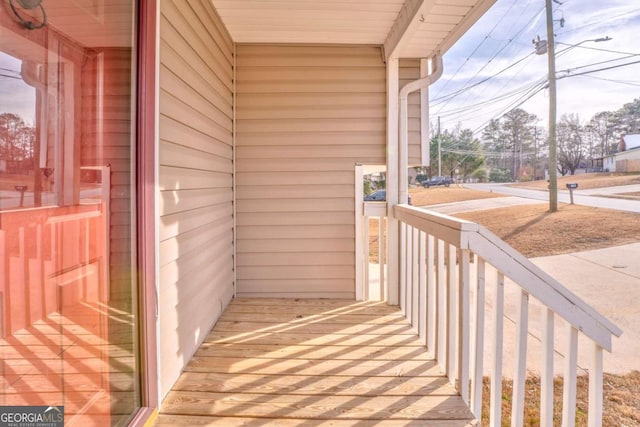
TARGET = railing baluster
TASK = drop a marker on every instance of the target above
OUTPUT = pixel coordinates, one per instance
(546, 371)
(403, 268)
(409, 273)
(463, 324)
(520, 373)
(365, 257)
(382, 256)
(437, 296)
(23, 263)
(442, 308)
(495, 410)
(415, 269)
(42, 307)
(453, 315)
(422, 291)
(478, 347)
(570, 371)
(432, 295)
(595, 388)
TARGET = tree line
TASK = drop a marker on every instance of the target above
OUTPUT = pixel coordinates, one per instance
(514, 147)
(17, 141)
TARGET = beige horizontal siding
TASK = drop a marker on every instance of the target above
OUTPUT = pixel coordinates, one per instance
(410, 71)
(195, 179)
(305, 116)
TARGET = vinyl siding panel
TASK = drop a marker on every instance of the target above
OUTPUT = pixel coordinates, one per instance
(305, 116)
(410, 71)
(195, 179)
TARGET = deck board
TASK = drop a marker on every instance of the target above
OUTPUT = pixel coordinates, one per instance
(312, 362)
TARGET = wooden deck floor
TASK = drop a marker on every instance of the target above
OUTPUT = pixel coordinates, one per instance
(312, 362)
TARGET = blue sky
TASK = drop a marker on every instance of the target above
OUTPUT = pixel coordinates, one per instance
(502, 40)
(15, 95)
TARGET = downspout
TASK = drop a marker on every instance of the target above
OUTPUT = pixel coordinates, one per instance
(403, 143)
(234, 177)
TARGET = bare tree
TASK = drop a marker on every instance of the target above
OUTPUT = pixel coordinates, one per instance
(600, 130)
(571, 146)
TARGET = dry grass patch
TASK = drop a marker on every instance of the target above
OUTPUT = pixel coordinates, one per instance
(428, 196)
(436, 195)
(374, 241)
(621, 401)
(533, 231)
(587, 181)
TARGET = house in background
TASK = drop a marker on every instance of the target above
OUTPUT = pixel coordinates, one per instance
(627, 158)
(225, 141)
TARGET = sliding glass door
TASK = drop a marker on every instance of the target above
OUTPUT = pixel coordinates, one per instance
(68, 316)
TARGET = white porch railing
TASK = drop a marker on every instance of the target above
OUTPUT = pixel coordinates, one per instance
(439, 255)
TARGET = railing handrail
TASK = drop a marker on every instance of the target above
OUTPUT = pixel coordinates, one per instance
(531, 278)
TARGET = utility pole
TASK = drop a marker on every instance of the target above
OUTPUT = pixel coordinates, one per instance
(553, 153)
(535, 153)
(439, 151)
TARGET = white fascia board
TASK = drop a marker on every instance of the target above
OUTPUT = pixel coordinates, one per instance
(404, 27)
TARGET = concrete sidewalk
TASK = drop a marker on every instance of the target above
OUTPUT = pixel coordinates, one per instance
(608, 280)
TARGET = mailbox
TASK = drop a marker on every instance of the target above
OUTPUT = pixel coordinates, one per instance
(21, 188)
(572, 186)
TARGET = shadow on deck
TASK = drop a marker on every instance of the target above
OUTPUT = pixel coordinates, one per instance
(312, 362)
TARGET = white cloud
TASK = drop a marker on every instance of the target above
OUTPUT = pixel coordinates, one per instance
(504, 35)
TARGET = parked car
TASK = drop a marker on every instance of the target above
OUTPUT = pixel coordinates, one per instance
(437, 180)
(379, 196)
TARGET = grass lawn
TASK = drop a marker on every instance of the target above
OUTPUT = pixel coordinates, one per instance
(435, 195)
(621, 404)
(533, 231)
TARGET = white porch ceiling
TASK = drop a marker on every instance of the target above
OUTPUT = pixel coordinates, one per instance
(430, 25)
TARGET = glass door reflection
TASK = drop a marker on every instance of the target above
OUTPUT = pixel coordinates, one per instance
(67, 269)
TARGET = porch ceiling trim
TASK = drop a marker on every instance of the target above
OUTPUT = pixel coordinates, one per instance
(406, 28)
(409, 19)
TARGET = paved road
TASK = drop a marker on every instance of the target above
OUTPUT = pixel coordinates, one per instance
(481, 204)
(581, 197)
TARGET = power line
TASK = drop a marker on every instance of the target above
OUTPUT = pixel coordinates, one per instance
(509, 41)
(474, 107)
(594, 48)
(525, 91)
(484, 153)
(624, 82)
(595, 71)
(597, 63)
(512, 106)
(600, 21)
(464, 89)
(9, 70)
(532, 93)
(476, 48)
(10, 77)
